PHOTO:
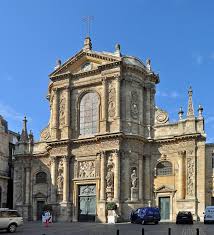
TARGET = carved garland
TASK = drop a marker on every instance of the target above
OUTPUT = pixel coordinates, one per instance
(111, 100)
(190, 177)
(62, 110)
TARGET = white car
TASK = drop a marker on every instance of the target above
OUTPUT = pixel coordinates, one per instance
(10, 219)
(209, 215)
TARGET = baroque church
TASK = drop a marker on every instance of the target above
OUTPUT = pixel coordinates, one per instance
(106, 141)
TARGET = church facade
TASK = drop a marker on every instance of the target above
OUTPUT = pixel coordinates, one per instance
(106, 141)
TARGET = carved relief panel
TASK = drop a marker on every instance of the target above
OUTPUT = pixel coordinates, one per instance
(60, 177)
(190, 176)
(62, 109)
(134, 105)
(111, 100)
(86, 169)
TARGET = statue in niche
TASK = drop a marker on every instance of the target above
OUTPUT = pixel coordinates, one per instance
(134, 105)
(60, 181)
(110, 178)
(134, 179)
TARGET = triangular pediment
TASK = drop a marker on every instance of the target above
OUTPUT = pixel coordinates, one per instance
(83, 62)
(164, 188)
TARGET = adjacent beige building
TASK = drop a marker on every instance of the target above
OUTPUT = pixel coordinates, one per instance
(107, 141)
(8, 139)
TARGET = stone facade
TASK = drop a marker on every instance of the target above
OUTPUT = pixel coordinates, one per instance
(107, 141)
(8, 139)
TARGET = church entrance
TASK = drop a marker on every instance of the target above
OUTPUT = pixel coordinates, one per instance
(87, 203)
(40, 206)
(164, 205)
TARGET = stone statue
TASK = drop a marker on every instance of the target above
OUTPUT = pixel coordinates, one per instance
(110, 178)
(134, 179)
(60, 182)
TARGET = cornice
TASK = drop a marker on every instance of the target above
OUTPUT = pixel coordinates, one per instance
(133, 68)
(180, 137)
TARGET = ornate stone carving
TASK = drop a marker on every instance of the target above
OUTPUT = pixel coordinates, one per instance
(134, 178)
(190, 177)
(161, 116)
(111, 100)
(86, 169)
(62, 110)
(60, 182)
(59, 151)
(110, 178)
(60, 177)
(45, 134)
(134, 105)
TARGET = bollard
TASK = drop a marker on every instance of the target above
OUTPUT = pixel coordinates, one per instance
(197, 231)
(118, 231)
(169, 231)
(142, 231)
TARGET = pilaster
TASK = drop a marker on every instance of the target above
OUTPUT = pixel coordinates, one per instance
(55, 114)
(117, 176)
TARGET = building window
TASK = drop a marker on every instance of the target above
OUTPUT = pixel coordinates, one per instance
(213, 160)
(41, 178)
(89, 114)
(164, 168)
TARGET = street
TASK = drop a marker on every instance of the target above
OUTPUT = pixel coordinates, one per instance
(35, 228)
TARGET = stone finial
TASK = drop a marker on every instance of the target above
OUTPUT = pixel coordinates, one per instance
(148, 64)
(24, 134)
(190, 111)
(117, 50)
(58, 64)
(87, 44)
(31, 137)
(200, 111)
(180, 113)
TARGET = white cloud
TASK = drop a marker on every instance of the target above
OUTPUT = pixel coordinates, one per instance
(10, 113)
(172, 94)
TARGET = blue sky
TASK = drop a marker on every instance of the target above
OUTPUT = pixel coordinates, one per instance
(177, 35)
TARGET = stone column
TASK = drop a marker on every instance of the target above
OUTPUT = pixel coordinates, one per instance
(116, 176)
(118, 97)
(27, 185)
(140, 176)
(66, 178)
(55, 114)
(53, 179)
(102, 175)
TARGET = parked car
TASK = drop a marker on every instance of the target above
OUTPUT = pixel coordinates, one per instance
(209, 215)
(10, 220)
(145, 215)
(184, 217)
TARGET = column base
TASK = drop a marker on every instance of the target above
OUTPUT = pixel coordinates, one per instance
(134, 194)
(101, 212)
(65, 212)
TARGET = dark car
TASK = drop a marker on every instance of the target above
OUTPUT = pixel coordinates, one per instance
(145, 215)
(184, 217)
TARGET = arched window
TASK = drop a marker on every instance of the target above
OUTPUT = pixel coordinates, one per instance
(41, 178)
(89, 114)
(164, 168)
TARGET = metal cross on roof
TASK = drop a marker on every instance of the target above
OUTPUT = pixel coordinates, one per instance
(88, 20)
